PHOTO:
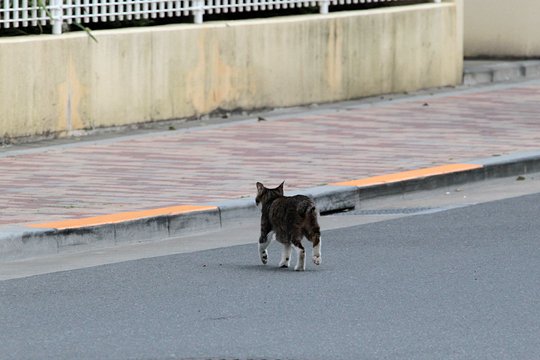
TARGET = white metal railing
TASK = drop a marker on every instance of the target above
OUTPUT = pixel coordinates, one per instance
(24, 13)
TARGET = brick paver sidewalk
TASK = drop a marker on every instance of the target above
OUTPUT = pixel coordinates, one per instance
(309, 149)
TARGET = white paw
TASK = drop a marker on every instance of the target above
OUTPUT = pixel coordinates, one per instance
(317, 260)
(299, 268)
(264, 256)
(285, 262)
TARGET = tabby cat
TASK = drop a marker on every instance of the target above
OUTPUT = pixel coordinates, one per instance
(290, 218)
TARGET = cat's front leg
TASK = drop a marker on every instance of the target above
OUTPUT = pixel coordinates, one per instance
(264, 242)
(286, 256)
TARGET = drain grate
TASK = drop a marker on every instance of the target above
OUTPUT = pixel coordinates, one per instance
(225, 358)
(401, 211)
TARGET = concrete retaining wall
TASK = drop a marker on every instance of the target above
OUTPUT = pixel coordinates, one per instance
(59, 84)
(502, 28)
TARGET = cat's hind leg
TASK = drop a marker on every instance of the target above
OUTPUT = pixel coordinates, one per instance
(317, 259)
(301, 263)
(315, 238)
(286, 256)
(313, 234)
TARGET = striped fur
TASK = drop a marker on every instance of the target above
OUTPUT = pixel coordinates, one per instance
(290, 218)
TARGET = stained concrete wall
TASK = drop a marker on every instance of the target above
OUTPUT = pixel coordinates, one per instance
(59, 84)
(502, 28)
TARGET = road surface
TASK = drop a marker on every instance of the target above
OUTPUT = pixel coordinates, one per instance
(450, 282)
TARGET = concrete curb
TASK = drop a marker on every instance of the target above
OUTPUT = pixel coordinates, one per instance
(19, 242)
(501, 72)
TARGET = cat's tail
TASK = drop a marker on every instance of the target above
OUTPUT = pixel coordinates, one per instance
(313, 211)
(309, 209)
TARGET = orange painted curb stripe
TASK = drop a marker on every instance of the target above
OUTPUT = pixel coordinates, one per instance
(409, 175)
(120, 217)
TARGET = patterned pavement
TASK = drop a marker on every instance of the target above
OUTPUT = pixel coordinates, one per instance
(214, 163)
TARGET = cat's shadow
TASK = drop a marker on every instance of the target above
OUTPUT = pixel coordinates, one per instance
(267, 268)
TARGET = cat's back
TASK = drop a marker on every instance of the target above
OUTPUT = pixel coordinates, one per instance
(287, 206)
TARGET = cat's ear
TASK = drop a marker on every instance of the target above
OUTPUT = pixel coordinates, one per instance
(280, 188)
(260, 187)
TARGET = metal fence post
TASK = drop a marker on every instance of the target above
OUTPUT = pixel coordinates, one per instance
(324, 5)
(198, 11)
(56, 13)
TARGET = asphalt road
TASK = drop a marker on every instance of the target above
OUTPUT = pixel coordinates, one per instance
(456, 284)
